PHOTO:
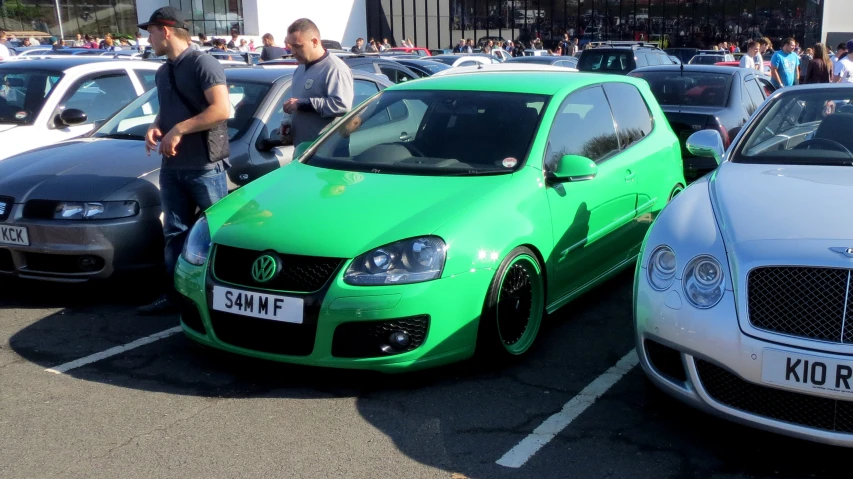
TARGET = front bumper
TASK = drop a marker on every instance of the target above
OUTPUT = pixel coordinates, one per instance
(78, 251)
(703, 358)
(451, 305)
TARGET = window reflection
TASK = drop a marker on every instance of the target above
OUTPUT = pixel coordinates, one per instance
(212, 17)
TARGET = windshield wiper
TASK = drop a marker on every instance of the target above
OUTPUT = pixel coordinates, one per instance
(121, 136)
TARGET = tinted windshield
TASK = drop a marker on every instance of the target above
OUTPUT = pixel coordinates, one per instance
(689, 88)
(445, 60)
(133, 121)
(606, 61)
(433, 67)
(23, 94)
(434, 133)
(802, 128)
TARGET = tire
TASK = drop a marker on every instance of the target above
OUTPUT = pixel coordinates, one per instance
(513, 309)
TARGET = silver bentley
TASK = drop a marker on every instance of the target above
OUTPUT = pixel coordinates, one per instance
(743, 294)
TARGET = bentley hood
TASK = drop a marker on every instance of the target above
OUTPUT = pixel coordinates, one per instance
(775, 212)
(86, 169)
(301, 209)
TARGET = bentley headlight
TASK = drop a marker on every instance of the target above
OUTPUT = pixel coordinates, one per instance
(703, 282)
(408, 261)
(197, 246)
(96, 210)
(661, 268)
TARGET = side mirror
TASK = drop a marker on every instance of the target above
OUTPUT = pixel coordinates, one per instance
(300, 149)
(71, 117)
(706, 144)
(573, 168)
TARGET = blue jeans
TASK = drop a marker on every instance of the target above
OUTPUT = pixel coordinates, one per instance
(181, 192)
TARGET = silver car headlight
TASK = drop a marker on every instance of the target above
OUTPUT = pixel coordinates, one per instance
(661, 268)
(197, 245)
(96, 210)
(408, 261)
(703, 282)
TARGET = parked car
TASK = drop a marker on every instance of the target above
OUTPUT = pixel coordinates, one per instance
(400, 241)
(424, 68)
(743, 290)
(88, 208)
(765, 69)
(683, 54)
(557, 61)
(697, 97)
(703, 58)
(419, 51)
(49, 100)
(620, 59)
(464, 59)
(394, 71)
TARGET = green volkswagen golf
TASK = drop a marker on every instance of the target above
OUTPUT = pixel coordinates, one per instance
(439, 219)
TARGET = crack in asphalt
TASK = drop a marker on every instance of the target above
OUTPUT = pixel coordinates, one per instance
(156, 429)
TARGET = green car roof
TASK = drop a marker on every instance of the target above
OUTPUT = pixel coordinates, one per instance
(539, 82)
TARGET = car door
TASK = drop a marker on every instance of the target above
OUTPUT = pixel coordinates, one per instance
(649, 159)
(588, 217)
(396, 75)
(754, 93)
(98, 95)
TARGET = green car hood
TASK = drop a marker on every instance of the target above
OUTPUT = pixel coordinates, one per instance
(302, 209)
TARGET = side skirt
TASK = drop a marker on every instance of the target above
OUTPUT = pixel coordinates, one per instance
(583, 289)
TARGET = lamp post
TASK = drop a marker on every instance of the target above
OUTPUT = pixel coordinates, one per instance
(59, 20)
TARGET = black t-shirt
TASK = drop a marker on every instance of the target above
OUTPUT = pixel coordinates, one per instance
(271, 53)
(195, 72)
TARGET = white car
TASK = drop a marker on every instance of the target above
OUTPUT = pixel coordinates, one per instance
(458, 60)
(505, 67)
(743, 294)
(43, 101)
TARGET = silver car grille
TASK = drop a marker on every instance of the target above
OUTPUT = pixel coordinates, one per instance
(807, 302)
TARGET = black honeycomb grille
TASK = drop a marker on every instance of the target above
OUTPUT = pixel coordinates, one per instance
(801, 301)
(299, 274)
(802, 409)
(365, 339)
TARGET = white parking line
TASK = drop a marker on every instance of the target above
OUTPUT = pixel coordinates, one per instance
(64, 368)
(523, 451)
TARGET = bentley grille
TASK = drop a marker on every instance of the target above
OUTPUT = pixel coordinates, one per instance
(796, 408)
(813, 303)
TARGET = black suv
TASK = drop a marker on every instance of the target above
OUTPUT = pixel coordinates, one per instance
(621, 58)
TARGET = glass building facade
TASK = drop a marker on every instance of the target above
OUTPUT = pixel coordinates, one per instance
(94, 17)
(212, 17)
(672, 23)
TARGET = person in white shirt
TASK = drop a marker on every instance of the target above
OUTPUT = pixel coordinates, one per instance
(4, 52)
(842, 71)
(748, 60)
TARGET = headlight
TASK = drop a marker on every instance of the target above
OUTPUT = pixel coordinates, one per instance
(661, 268)
(101, 210)
(703, 282)
(408, 261)
(197, 246)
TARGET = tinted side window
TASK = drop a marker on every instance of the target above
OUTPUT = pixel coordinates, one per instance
(365, 67)
(754, 92)
(146, 77)
(633, 118)
(101, 95)
(364, 89)
(395, 75)
(583, 126)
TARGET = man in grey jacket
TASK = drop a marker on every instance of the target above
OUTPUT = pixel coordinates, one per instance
(322, 84)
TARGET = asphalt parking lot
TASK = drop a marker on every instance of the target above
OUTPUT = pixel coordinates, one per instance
(169, 408)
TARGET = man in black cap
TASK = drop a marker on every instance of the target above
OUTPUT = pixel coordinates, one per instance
(193, 136)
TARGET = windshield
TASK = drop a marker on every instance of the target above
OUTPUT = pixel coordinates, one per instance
(445, 60)
(133, 121)
(421, 132)
(706, 59)
(23, 94)
(802, 128)
(616, 61)
(688, 88)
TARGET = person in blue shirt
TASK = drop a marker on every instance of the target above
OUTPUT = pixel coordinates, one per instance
(785, 65)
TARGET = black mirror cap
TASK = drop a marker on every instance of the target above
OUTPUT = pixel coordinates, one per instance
(72, 116)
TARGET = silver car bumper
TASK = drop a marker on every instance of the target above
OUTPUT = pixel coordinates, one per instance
(82, 250)
(711, 365)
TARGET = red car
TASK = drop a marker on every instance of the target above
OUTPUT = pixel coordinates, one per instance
(419, 51)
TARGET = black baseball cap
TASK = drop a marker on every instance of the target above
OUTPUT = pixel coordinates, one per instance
(166, 17)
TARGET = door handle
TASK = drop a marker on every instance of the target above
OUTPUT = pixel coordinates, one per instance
(629, 177)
